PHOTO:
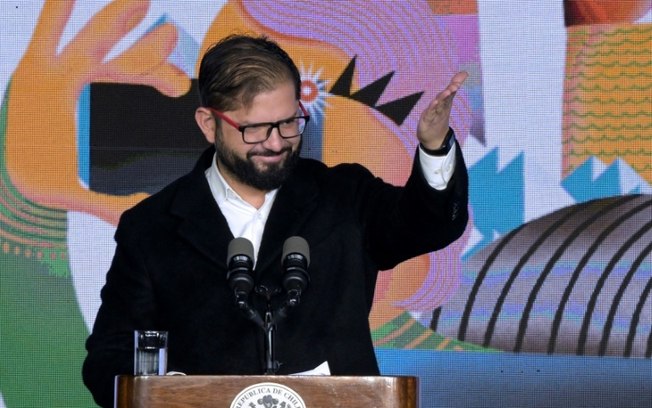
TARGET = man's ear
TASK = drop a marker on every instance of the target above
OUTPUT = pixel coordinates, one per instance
(206, 122)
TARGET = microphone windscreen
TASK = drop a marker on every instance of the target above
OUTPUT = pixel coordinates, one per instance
(239, 246)
(296, 245)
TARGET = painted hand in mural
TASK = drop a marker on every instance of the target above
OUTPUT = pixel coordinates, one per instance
(41, 155)
(433, 123)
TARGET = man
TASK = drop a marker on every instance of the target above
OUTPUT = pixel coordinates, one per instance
(169, 270)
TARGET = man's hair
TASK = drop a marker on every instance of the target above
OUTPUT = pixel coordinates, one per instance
(239, 67)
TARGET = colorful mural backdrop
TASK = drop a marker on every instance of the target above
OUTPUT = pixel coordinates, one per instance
(555, 122)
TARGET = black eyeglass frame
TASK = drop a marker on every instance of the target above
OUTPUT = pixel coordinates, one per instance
(272, 125)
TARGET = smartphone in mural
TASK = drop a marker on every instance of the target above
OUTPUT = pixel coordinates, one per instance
(135, 139)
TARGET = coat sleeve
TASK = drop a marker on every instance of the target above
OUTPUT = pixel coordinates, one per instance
(404, 222)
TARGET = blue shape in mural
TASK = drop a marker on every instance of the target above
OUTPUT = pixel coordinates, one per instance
(583, 186)
(592, 180)
(496, 197)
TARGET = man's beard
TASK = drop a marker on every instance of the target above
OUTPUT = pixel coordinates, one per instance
(246, 172)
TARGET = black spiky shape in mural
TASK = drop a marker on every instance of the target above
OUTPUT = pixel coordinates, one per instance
(396, 110)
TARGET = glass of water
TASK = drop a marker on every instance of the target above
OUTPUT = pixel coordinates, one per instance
(150, 352)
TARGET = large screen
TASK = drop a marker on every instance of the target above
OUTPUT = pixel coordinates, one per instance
(546, 300)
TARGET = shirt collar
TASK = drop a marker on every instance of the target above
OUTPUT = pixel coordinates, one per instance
(222, 191)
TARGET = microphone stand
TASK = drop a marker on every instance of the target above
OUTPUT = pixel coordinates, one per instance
(268, 324)
(269, 327)
(271, 365)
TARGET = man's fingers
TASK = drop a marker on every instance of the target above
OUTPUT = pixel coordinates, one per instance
(444, 99)
(459, 78)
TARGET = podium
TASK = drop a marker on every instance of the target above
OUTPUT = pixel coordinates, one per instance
(180, 391)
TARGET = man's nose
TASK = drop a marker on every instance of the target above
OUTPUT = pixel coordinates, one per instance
(274, 141)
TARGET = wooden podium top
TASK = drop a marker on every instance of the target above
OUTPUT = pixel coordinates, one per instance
(255, 391)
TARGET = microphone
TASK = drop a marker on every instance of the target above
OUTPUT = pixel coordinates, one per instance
(239, 261)
(295, 262)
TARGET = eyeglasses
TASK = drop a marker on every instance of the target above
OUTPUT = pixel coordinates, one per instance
(259, 132)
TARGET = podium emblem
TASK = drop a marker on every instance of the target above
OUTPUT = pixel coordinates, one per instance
(268, 395)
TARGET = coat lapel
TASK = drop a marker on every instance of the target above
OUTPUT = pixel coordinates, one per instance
(292, 208)
(202, 224)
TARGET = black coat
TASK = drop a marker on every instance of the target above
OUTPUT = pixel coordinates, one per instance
(169, 271)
